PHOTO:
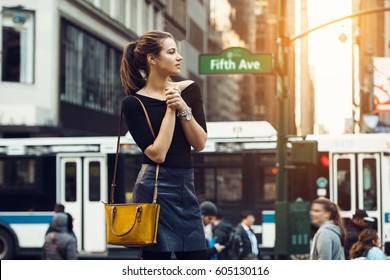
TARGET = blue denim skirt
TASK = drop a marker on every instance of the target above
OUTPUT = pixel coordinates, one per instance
(180, 227)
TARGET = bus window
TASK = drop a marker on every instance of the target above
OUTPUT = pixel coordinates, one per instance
(17, 174)
(70, 181)
(369, 184)
(94, 181)
(204, 180)
(344, 184)
(229, 184)
(2, 185)
(269, 183)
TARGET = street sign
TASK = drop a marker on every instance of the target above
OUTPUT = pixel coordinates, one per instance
(235, 61)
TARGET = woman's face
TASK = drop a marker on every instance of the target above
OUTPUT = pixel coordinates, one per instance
(169, 60)
(318, 214)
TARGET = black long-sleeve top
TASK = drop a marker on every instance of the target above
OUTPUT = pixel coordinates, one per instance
(179, 153)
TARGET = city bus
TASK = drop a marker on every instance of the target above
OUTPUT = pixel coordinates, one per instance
(236, 171)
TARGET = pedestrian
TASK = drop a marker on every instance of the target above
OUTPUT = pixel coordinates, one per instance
(367, 247)
(59, 244)
(178, 120)
(329, 239)
(223, 235)
(60, 208)
(360, 221)
(250, 246)
(209, 213)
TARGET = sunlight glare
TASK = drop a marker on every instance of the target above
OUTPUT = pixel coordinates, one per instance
(332, 63)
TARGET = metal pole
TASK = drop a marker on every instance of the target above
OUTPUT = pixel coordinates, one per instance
(282, 130)
(282, 106)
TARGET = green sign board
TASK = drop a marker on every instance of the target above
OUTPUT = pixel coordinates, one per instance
(235, 61)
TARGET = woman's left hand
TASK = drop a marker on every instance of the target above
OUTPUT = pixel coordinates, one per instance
(174, 99)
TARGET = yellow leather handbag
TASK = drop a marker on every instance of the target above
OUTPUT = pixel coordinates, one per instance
(132, 224)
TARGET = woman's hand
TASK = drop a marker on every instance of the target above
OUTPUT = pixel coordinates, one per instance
(174, 99)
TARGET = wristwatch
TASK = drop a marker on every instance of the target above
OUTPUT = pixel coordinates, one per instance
(185, 115)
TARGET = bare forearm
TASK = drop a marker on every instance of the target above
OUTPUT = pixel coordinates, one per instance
(195, 134)
(159, 149)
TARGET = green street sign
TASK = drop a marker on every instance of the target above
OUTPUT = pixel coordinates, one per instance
(235, 61)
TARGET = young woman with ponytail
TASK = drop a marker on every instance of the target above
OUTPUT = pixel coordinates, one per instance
(367, 247)
(329, 240)
(176, 113)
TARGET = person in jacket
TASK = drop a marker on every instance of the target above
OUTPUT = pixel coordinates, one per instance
(250, 246)
(209, 212)
(367, 247)
(59, 243)
(222, 235)
(329, 239)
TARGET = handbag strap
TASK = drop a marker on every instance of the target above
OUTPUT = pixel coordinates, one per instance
(113, 184)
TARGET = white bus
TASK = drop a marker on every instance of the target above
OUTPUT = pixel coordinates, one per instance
(236, 170)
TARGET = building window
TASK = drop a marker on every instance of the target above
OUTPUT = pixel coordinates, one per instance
(17, 46)
(89, 71)
(134, 14)
(196, 36)
(17, 174)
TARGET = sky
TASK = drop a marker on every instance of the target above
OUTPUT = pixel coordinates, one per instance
(331, 61)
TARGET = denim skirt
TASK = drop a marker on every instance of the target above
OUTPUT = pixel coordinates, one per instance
(180, 227)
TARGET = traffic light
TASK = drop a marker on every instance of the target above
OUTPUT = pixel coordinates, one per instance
(304, 152)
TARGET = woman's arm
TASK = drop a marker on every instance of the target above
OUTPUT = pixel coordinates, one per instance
(159, 149)
(195, 134)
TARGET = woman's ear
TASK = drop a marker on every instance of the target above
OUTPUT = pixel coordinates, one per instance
(151, 59)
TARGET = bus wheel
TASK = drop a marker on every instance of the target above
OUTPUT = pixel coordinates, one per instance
(7, 249)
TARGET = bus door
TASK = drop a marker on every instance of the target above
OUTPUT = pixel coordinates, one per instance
(369, 182)
(343, 192)
(81, 186)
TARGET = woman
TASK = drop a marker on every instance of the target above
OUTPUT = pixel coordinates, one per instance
(367, 247)
(329, 240)
(177, 117)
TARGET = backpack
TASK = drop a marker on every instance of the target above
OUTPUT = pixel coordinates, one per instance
(234, 246)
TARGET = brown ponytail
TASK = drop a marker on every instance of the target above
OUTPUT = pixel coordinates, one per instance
(335, 216)
(134, 68)
(366, 241)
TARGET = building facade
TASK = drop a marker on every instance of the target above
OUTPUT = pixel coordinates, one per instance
(61, 59)
(370, 45)
(267, 32)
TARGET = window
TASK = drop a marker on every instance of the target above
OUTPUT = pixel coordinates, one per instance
(89, 71)
(17, 46)
(70, 181)
(147, 16)
(344, 184)
(134, 14)
(17, 174)
(269, 183)
(94, 181)
(196, 36)
(369, 184)
(155, 18)
(229, 185)
(204, 180)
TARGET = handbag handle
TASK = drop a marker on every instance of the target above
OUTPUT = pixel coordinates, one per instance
(137, 216)
(113, 184)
